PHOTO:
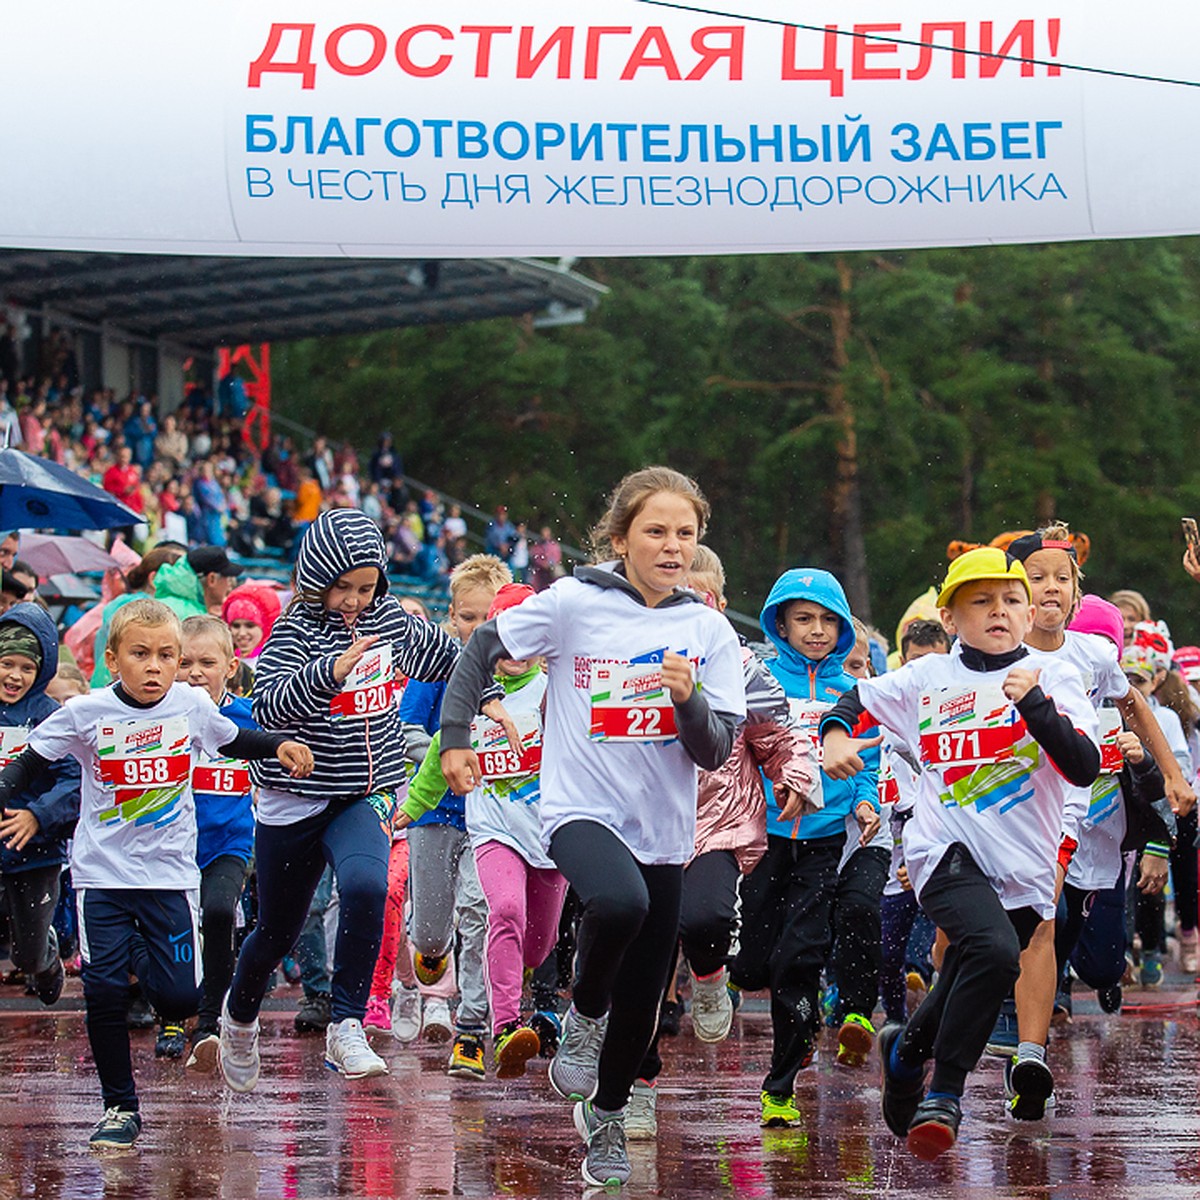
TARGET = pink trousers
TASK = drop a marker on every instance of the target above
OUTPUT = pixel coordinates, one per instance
(524, 906)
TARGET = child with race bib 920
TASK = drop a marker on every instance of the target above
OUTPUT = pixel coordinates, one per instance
(644, 686)
(327, 675)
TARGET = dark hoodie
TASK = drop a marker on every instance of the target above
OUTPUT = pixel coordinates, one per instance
(54, 798)
(294, 684)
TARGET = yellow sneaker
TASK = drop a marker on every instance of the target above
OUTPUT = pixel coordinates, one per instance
(779, 1112)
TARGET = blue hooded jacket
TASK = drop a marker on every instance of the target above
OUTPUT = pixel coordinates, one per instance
(823, 681)
(54, 799)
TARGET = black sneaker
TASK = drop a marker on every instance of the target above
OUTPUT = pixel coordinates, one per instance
(1028, 1085)
(548, 1026)
(669, 1018)
(900, 1097)
(314, 1013)
(934, 1128)
(48, 985)
(1110, 999)
(118, 1130)
(171, 1042)
(140, 1015)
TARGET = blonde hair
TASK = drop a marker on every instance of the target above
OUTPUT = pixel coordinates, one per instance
(70, 673)
(708, 563)
(478, 571)
(1134, 601)
(630, 496)
(201, 626)
(1059, 531)
(148, 614)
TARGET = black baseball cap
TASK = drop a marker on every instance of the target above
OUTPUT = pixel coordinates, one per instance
(210, 560)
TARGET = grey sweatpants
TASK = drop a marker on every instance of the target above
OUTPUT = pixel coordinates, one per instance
(444, 889)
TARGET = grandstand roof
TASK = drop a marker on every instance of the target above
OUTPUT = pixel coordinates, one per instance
(198, 302)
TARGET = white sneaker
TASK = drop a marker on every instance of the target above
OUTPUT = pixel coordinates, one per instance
(406, 1013)
(437, 1026)
(712, 1009)
(238, 1051)
(348, 1051)
(641, 1113)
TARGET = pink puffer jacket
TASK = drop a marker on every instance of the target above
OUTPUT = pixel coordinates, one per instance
(731, 811)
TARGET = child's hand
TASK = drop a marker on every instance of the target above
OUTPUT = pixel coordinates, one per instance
(297, 758)
(401, 820)
(677, 677)
(346, 661)
(461, 770)
(868, 821)
(902, 877)
(1131, 746)
(1153, 876)
(17, 828)
(495, 710)
(1019, 682)
(1191, 563)
(840, 757)
(792, 805)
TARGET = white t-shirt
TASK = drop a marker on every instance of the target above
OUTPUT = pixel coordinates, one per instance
(898, 784)
(1009, 807)
(137, 817)
(1098, 861)
(606, 760)
(505, 808)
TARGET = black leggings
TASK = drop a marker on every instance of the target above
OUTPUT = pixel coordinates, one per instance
(629, 922)
(706, 925)
(858, 937)
(221, 884)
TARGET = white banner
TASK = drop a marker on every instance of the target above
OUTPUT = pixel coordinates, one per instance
(512, 127)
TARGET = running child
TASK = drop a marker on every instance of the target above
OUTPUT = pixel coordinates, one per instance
(898, 908)
(787, 900)
(1002, 742)
(731, 836)
(326, 675)
(133, 860)
(444, 887)
(644, 685)
(224, 832)
(38, 820)
(1127, 812)
(523, 888)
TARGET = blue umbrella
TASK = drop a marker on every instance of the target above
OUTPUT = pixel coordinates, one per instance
(36, 493)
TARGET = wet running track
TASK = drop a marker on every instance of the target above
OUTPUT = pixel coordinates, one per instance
(1127, 1122)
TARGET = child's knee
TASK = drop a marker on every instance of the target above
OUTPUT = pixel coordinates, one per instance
(619, 911)
(174, 999)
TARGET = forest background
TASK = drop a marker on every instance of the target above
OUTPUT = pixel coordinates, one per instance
(850, 411)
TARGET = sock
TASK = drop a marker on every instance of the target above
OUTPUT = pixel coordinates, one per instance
(1031, 1050)
(607, 1114)
(941, 1096)
(900, 1068)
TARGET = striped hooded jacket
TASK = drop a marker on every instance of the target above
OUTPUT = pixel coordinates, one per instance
(294, 685)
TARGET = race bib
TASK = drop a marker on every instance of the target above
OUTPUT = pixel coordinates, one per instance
(12, 742)
(222, 777)
(968, 727)
(369, 688)
(806, 715)
(630, 704)
(889, 786)
(500, 760)
(1111, 758)
(145, 765)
